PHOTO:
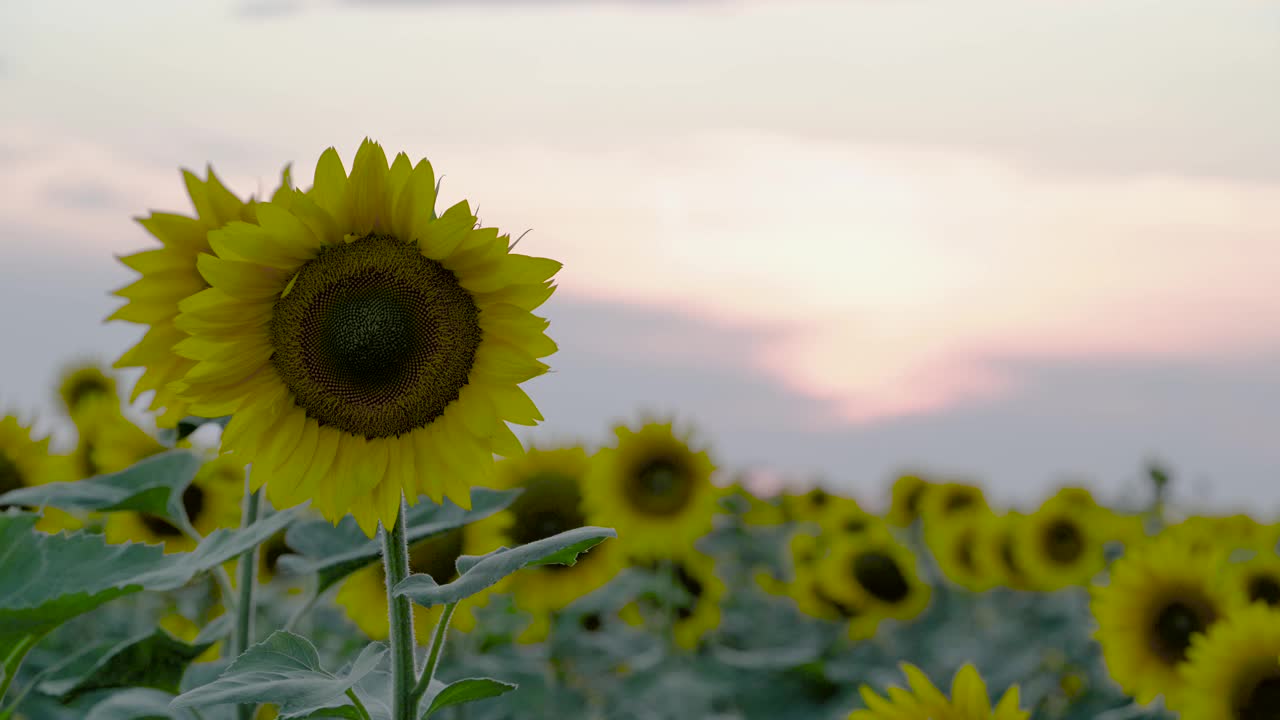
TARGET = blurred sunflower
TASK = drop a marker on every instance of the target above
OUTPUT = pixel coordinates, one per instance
(211, 501)
(363, 595)
(1161, 596)
(273, 549)
(82, 384)
(654, 489)
(998, 556)
(1210, 532)
(956, 546)
(365, 347)
(169, 275)
(695, 573)
(876, 575)
(923, 701)
(26, 462)
(551, 503)
(1059, 546)
(844, 517)
(948, 499)
(108, 441)
(1257, 578)
(908, 495)
(1233, 671)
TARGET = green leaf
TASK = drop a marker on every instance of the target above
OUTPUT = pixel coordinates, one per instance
(138, 704)
(479, 572)
(333, 553)
(153, 485)
(283, 669)
(465, 691)
(49, 579)
(157, 661)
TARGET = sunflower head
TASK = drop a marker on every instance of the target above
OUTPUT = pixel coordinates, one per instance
(950, 499)
(906, 502)
(26, 462)
(1160, 597)
(211, 501)
(108, 441)
(1233, 671)
(921, 699)
(1059, 545)
(654, 489)
(1257, 578)
(699, 613)
(958, 547)
(365, 347)
(550, 503)
(876, 575)
(81, 385)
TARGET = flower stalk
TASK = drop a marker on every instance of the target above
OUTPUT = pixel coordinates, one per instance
(247, 577)
(395, 559)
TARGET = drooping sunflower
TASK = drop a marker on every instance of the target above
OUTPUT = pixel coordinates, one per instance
(26, 462)
(170, 275)
(1059, 546)
(922, 701)
(875, 574)
(654, 489)
(363, 595)
(1233, 671)
(212, 501)
(365, 347)
(109, 441)
(1257, 578)
(1160, 596)
(905, 503)
(690, 621)
(551, 503)
(957, 547)
(86, 383)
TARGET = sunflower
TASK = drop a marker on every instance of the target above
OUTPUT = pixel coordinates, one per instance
(844, 517)
(956, 546)
(654, 489)
(366, 348)
(949, 499)
(211, 501)
(183, 628)
(1059, 546)
(695, 573)
(1161, 595)
(998, 556)
(1233, 671)
(876, 575)
(109, 442)
(1257, 578)
(908, 495)
(26, 462)
(83, 384)
(273, 549)
(923, 701)
(551, 503)
(363, 595)
(169, 275)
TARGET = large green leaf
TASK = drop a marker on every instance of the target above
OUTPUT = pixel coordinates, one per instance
(138, 704)
(334, 552)
(156, 660)
(479, 572)
(285, 670)
(153, 485)
(465, 691)
(49, 579)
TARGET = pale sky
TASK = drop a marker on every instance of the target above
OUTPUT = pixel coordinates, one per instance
(1012, 241)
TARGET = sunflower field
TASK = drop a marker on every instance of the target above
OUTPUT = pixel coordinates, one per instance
(324, 513)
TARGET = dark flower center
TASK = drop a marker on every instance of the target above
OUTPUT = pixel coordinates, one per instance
(83, 388)
(1174, 625)
(272, 550)
(1263, 588)
(550, 504)
(912, 503)
(959, 500)
(1063, 542)
(1262, 702)
(192, 502)
(591, 622)
(880, 575)
(964, 551)
(373, 338)
(660, 486)
(437, 556)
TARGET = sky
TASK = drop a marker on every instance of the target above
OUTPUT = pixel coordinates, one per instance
(1017, 243)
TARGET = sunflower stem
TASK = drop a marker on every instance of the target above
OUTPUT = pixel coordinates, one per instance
(404, 671)
(433, 657)
(248, 575)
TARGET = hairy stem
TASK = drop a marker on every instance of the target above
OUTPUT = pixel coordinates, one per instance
(395, 559)
(248, 575)
(433, 657)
